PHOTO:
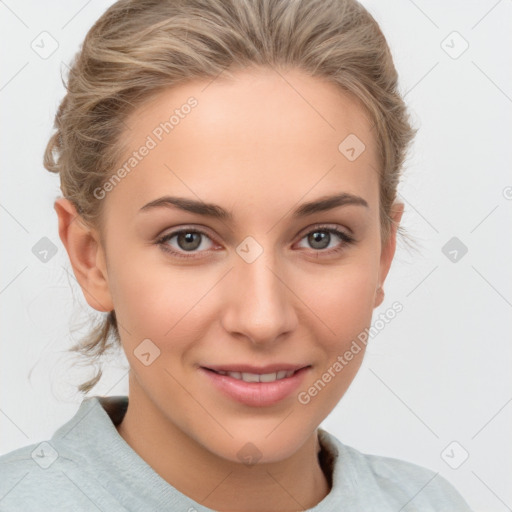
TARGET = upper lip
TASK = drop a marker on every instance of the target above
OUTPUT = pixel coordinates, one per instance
(248, 368)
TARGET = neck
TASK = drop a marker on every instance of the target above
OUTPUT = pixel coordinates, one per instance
(296, 483)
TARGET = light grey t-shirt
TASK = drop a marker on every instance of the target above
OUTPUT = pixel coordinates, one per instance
(88, 466)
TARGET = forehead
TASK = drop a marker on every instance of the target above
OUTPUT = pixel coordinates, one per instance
(256, 134)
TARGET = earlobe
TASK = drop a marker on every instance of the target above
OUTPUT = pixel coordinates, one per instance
(379, 297)
(86, 256)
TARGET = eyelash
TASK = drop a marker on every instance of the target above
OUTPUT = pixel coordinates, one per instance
(346, 241)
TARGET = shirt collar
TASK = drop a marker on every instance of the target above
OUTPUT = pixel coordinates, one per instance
(105, 453)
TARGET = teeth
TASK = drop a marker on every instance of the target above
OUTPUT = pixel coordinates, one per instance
(250, 377)
(255, 377)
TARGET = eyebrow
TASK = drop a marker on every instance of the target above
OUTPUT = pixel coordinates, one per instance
(217, 212)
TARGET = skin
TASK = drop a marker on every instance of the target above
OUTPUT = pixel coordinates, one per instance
(258, 145)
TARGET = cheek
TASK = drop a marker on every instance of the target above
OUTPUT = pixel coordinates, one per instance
(158, 302)
(340, 300)
(342, 310)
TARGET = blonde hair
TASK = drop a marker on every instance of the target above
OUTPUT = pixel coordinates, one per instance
(137, 48)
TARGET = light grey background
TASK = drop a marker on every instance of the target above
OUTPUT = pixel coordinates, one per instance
(438, 373)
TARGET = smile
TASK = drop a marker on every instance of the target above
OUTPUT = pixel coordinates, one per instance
(263, 388)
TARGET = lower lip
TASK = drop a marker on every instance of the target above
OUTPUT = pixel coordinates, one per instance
(256, 394)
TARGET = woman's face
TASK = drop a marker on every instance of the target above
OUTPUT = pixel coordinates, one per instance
(256, 283)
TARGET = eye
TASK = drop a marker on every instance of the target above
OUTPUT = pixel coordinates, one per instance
(321, 237)
(191, 240)
(188, 241)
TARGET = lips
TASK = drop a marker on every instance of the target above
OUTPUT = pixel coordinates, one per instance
(256, 386)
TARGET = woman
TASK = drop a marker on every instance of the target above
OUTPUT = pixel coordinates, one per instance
(229, 172)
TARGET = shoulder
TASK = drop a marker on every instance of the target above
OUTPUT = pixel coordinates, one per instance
(46, 477)
(26, 469)
(80, 468)
(398, 483)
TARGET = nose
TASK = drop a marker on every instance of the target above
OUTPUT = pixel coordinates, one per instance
(260, 307)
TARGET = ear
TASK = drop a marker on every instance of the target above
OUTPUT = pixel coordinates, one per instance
(388, 251)
(86, 255)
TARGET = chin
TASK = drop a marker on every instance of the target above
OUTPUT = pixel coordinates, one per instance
(260, 444)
